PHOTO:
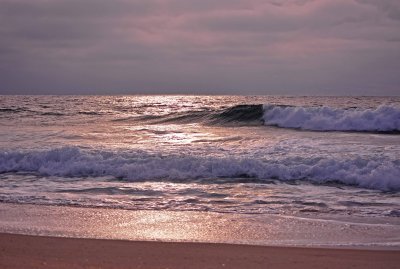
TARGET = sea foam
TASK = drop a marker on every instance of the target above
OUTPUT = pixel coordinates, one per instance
(377, 173)
(381, 119)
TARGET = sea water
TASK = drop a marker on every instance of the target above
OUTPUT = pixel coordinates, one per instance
(283, 155)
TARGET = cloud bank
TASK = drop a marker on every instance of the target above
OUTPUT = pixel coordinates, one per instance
(192, 46)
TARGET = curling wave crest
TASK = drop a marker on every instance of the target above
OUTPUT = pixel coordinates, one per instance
(377, 173)
(381, 119)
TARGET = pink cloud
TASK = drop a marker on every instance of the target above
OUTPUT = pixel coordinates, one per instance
(252, 42)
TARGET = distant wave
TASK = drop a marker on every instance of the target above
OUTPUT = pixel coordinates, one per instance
(52, 114)
(12, 110)
(89, 113)
(378, 173)
(382, 119)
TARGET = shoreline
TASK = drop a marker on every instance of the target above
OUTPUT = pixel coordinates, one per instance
(27, 251)
(199, 227)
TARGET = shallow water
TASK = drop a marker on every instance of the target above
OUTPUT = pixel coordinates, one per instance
(232, 154)
(184, 226)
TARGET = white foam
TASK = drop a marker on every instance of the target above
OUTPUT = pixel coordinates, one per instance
(384, 118)
(377, 173)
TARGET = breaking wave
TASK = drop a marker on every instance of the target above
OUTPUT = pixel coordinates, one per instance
(378, 173)
(240, 114)
(382, 119)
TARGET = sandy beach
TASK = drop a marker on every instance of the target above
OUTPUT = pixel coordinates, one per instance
(22, 251)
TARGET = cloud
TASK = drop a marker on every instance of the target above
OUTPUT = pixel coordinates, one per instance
(226, 46)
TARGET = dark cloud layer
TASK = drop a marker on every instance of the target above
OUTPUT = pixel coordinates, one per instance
(192, 46)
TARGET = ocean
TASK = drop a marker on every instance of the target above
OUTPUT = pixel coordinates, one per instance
(312, 157)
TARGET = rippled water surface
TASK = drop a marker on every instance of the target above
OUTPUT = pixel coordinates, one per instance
(234, 154)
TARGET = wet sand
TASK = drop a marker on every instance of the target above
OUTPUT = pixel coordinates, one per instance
(23, 251)
(206, 227)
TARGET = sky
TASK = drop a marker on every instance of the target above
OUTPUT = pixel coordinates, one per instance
(288, 47)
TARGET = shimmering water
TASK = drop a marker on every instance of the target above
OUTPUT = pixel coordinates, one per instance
(231, 154)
